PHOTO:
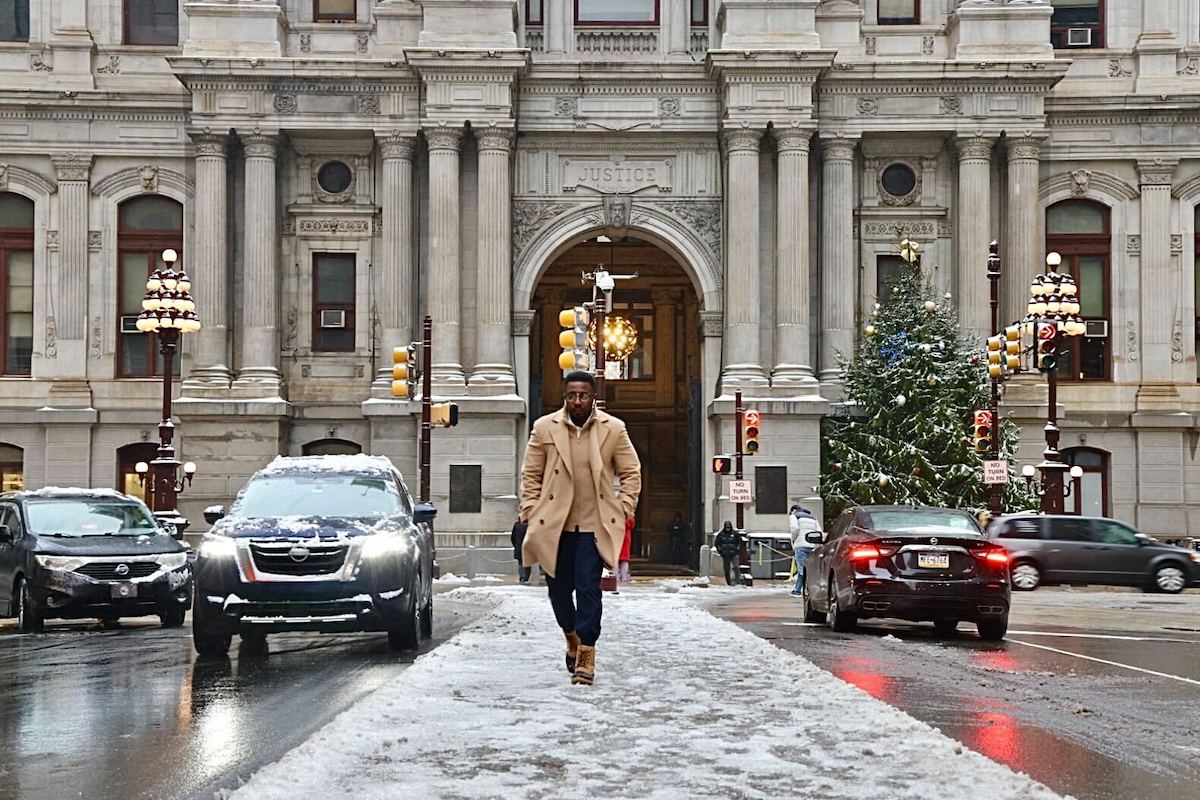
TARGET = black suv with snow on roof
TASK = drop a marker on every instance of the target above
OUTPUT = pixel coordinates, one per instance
(907, 562)
(325, 543)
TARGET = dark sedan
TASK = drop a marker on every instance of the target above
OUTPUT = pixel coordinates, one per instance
(325, 543)
(907, 562)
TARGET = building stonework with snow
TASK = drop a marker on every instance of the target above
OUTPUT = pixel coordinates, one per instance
(332, 170)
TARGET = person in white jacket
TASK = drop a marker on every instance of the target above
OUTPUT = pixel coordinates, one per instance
(800, 522)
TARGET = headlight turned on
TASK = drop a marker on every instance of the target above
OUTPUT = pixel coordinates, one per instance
(64, 563)
(172, 560)
(216, 547)
(381, 545)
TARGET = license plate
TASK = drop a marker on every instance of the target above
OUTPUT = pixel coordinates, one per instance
(933, 560)
(123, 590)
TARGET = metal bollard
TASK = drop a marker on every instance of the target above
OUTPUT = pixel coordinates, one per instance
(705, 561)
(472, 562)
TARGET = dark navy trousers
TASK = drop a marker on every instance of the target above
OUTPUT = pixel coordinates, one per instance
(577, 572)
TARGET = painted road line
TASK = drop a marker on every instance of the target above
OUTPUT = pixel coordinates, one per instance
(1107, 636)
(1106, 661)
(804, 624)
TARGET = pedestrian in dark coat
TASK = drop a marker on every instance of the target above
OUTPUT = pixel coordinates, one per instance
(727, 543)
(518, 539)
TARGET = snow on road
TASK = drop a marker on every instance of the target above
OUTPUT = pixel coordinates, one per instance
(685, 705)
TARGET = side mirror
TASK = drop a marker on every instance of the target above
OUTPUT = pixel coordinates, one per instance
(6, 536)
(424, 512)
(213, 513)
(814, 537)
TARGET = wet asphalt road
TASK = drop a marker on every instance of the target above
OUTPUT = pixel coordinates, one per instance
(1100, 703)
(132, 713)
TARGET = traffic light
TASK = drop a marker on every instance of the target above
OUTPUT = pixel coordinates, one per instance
(1012, 348)
(984, 424)
(722, 465)
(404, 372)
(750, 431)
(1045, 343)
(444, 414)
(995, 356)
(573, 339)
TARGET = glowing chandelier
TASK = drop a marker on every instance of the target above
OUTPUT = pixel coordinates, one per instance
(620, 337)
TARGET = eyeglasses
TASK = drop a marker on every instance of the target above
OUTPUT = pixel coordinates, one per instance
(583, 397)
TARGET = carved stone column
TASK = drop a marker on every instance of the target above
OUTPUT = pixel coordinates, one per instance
(444, 262)
(679, 27)
(66, 322)
(259, 374)
(973, 235)
(1160, 287)
(838, 267)
(1021, 256)
(397, 283)
(793, 359)
(554, 25)
(493, 373)
(207, 266)
(743, 367)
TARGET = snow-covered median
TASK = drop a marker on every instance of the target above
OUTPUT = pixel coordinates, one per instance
(685, 705)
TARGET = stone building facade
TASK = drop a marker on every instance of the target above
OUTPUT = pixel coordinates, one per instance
(332, 170)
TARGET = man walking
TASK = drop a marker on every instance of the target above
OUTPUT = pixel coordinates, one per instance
(576, 520)
(800, 523)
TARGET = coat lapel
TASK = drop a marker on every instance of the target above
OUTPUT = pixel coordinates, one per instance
(599, 434)
(559, 433)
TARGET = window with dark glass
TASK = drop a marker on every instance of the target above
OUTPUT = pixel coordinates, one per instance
(1077, 23)
(152, 22)
(1078, 230)
(888, 272)
(334, 177)
(1089, 495)
(899, 12)
(616, 12)
(147, 225)
(14, 21)
(533, 12)
(331, 447)
(333, 302)
(12, 468)
(16, 284)
(334, 10)
(699, 12)
(898, 180)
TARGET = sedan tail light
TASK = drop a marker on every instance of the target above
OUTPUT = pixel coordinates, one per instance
(996, 556)
(866, 552)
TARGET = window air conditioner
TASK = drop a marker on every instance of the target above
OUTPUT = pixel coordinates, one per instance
(1079, 37)
(333, 318)
(1096, 328)
(129, 325)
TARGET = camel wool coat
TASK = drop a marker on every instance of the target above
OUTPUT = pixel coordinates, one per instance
(547, 488)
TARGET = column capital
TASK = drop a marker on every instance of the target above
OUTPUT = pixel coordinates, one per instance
(791, 139)
(210, 144)
(1023, 148)
(1156, 171)
(838, 148)
(522, 322)
(397, 146)
(260, 145)
(495, 140)
(975, 148)
(742, 140)
(443, 138)
(73, 167)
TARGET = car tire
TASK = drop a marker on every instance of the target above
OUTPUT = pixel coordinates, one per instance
(408, 635)
(172, 616)
(992, 630)
(30, 617)
(840, 620)
(1025, 576)
(1170, 579)
(945, 627)
(210, 636)
(810, 613)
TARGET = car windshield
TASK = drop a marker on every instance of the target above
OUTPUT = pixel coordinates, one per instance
(86, 517)
(318, 495)
(924, 520)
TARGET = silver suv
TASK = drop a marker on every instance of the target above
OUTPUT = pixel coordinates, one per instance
(1090, 550)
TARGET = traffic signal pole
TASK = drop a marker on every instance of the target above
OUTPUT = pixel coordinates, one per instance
(426, 404)
(599, 310)
(995, 490)
(744, 545)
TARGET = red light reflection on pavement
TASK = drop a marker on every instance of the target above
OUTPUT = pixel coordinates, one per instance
(998, 660)
(872, 683)
(995, 735)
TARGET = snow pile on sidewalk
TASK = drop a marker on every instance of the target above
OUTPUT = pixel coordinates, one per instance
(685, 705)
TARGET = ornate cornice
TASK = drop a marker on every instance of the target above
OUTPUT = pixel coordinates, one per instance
(74, 167)
(1156, 171)
(742, 140)
(495, 140)
(789, 140)
(398, 146)
(522, 322)
(975, 148)
(1023, 148)
(443, 138)
(838, 149)
(260, 145)
(210, 145)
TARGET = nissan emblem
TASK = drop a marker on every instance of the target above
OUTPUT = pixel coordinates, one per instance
(933, 540)
(299, 553)
(122, 570)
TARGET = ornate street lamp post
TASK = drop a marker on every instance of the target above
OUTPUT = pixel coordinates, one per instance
(168, 311)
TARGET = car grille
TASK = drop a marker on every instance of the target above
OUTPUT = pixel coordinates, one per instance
(277, 559)
(107, 570)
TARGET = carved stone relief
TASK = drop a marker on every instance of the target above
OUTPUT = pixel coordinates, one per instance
(96, 340)
(363, 42)
(37, 63)
(1176, 243)
(305, 42)
(1116, 69)
(565, 106)
(1177, 341)
(926, 45)
(95, 241)
(52, 241)
(1079, 181)
(148, 175)
(1133, 244)
(528, 219)
(285, 103)
(367, 104)
(950, 106)
(333, 225)
(522, 322)
(712, 323)
(616, 212)
(111, 67)
(51, 338)
(867, 106)
(924, 230)
(704, 220)
(1131, 346)
(668, 106)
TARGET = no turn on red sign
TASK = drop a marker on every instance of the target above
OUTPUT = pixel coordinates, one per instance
(995, 472)
(741, 492)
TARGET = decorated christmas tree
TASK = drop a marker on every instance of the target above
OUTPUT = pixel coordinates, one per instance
(904, 433)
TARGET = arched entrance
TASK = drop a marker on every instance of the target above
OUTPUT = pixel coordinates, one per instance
(659, 390)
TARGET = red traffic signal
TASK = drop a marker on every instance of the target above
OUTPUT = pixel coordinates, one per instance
(984, 421)
(750, 431)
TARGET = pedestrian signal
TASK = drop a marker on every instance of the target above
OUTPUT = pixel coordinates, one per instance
(1045, 336)
(573, 339)
(722, 465)
(984, 424)
(404, 372)
(750, 431)
(444, 414)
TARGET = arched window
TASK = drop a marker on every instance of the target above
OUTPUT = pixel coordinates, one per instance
(12, 468)
(147, 225)
(331, 447)
(127, 459)
(1089, 495)
(1078, 230)
(152, 22)
(16, 284)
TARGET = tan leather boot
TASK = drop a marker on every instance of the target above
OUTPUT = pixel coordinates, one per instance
(572, 649)
(585, 666)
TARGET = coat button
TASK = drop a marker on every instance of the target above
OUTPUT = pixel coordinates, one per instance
(613, 520)
(541, 522)
(551, 497)
(555, 472)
